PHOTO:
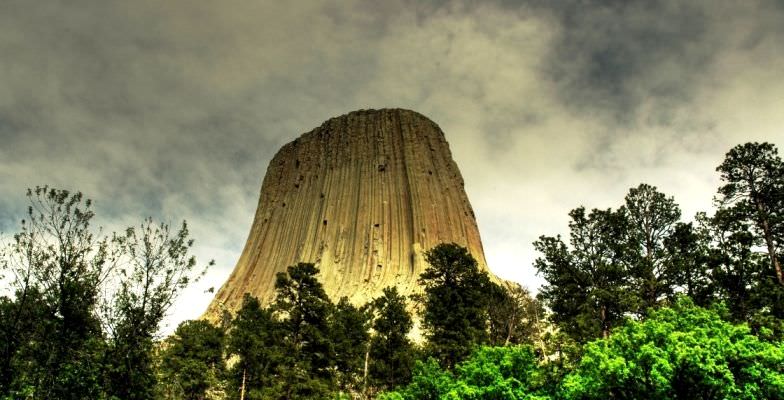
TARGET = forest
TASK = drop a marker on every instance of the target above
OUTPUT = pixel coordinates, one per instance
(639, 303)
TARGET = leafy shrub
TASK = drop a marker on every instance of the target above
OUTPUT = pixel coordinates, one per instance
(681, 352)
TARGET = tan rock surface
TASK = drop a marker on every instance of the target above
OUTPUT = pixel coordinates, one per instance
(362, 196)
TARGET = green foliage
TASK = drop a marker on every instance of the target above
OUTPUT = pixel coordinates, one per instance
(683, 352)
(60, 338)
(57, 262)
(456, 302)
(429, 381)
(391, 356)
(651, 219)
(562, 353)
(688, 256)
(129, 365)
(82, 310)
(349, 336)
(155, 265)
(254, 337)
(303, 309)
(22, 328)
(515, 317)
(588, 285)
(753, 192)
(490, 373)
(735, 266)
(679, 352)
(193, 360)
(639, 257)
(749, 214)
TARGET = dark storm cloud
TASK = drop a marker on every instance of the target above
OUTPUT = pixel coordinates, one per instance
(643, 64)
(134, 101)
(606, 49)
(173, 109)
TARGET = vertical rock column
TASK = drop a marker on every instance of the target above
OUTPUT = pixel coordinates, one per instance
(362, 196)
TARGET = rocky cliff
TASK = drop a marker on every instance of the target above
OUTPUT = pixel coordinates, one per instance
(362, 196)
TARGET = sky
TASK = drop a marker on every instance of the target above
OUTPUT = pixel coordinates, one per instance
(173, 109)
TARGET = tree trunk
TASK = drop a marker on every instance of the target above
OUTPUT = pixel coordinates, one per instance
(510, 329)
(539, 335)
(774, 260)
(242, 389)
(365, 371)
(603, 316)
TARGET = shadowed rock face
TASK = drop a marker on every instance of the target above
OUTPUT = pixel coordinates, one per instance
(362, 196)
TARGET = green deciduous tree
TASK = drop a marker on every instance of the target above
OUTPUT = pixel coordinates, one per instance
(58, 261)
(61, 337)
(155, 267)
(682, 352)
(456, 300)
(489, 373)
(23, 326)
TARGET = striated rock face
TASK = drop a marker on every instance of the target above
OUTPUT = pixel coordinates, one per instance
(362, 196)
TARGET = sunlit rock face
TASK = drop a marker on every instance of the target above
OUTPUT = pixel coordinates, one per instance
(362, 196)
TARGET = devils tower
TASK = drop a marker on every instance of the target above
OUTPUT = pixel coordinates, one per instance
(363, 196)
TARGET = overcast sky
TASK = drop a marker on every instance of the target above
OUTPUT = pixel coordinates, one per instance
(173, 109)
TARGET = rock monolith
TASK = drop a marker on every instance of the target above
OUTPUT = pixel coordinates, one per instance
(363, 196)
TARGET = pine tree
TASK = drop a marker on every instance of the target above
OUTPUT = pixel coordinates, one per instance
(304, 310)
(349, 336)
(753, 191)
(254, 336)
(588, 282)
(752, 196)
(456, 300)
(391, 352)
(193, 360)
(688, 260)
(652, 218)
(733, 263)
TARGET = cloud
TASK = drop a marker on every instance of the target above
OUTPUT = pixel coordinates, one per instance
(173, 109)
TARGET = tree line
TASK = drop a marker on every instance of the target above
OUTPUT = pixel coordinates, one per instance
(643, 305)
(304, 346)
(638, 304)
(85, 309)
(624, 262)
(85, 306)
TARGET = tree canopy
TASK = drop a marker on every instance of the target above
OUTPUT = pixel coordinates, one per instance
(679, 352)
(85, 306)
(637, 304)
(455, 303)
